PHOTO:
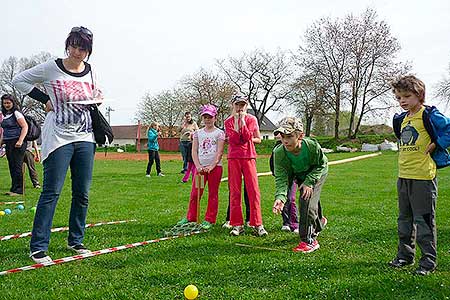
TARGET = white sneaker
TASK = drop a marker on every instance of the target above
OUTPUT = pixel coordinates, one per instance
(260, 231)
(161, 174)
(227, 225)
(286, 228)
(295, 231)
(148, 175)
(40, 257)
(237, 230)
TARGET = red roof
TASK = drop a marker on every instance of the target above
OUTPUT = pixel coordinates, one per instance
(128, 131)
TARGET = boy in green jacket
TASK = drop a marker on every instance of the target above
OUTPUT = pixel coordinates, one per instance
(300, 158)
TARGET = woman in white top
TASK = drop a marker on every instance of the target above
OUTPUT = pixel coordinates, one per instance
(67, 137)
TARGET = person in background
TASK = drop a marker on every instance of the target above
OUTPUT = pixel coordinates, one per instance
(186, 130)
(29, 160)
(153, 149)
(14, 131)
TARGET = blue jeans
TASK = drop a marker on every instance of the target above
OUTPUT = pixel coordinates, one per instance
(185, 148)
(80, 157)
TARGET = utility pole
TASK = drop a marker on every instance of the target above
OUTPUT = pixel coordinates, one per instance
(108, 113)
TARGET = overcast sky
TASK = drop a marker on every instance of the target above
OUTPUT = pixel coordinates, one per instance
(148, 46)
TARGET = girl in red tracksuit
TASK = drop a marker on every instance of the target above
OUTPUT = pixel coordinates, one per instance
(242, 132)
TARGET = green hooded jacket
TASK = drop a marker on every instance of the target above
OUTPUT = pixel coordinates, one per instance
(284, 172)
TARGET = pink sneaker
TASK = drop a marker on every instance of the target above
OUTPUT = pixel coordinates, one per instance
(324, 221)
(307, 248)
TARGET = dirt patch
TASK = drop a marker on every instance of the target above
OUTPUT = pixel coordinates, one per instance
(134, 156)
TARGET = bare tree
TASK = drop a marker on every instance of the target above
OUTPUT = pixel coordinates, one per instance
(443, 89)
(324, 53)
(371, 66)
(13, 66)
(206, 87)
(264, 77)
(164, 108)
(308, 99)
(355, 58)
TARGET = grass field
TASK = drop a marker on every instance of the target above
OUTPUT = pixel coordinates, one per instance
(359, 199)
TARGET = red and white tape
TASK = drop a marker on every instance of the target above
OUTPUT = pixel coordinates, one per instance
(16, 202)
(61, 229)
(93, 253)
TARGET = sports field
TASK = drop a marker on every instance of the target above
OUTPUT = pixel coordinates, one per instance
(359, 199)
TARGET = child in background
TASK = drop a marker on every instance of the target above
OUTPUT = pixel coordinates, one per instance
(153, 149)
(207, 151)
(242, 131)
(423, 136)
(300, 158)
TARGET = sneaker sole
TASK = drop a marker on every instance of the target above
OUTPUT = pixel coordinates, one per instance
(42, 260)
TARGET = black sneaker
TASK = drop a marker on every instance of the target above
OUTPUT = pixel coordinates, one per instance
(40, 257)
(422, 271)
(400, 263)
(80, 249)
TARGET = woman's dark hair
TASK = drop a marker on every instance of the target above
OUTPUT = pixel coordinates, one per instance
(11, 98)
(189, 113)
(80, 37)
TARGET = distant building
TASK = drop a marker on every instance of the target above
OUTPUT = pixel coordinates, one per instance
(266, 128)
(128, 135)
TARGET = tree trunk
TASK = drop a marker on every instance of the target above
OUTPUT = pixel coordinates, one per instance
(336, 121)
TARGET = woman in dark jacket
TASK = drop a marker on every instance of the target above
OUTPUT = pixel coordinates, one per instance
(14, 131)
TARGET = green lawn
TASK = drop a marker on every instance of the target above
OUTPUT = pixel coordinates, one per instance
(359, 199)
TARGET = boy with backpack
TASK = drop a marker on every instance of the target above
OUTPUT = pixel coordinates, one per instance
(423, 136)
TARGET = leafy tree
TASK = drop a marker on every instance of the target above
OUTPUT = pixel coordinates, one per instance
(206, 87)
(164, 108)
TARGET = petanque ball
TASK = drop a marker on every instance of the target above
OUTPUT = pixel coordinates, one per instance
(20, 207)
(191, 292)
(2, 213)
(7, 211)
